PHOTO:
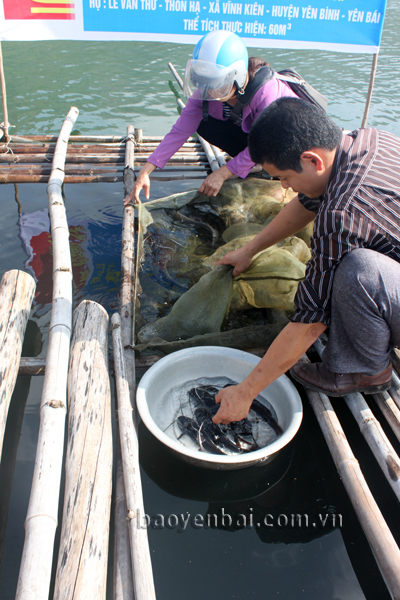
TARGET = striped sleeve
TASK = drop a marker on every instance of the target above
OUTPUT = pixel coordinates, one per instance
(312, 204)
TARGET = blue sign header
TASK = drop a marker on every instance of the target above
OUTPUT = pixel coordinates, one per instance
(342, 25)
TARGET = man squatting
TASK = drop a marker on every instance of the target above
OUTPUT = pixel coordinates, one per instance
(349, 185)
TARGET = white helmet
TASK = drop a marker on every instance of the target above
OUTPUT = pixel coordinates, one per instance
(219, 61)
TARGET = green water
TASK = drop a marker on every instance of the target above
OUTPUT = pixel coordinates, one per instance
(113, 85)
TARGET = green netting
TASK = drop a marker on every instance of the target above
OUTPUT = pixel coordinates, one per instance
(272, 278)
(201, 310)
(181, 253)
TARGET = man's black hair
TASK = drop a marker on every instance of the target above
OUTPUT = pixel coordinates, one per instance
(287, 128)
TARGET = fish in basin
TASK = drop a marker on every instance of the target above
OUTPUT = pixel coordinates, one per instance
(259, 429)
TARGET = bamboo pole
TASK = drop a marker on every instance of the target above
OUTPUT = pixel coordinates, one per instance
(16, 294)
(176, 75)
(218, 155)
(377, 440)
(4, 96)
(48, 149)
(15, 161)
(83, 551)
(104, 139)
(395, 356)
(370, 88)
(128, 267)
(81, 160)
(87, 178)
(41, 520)
(140, 553)
(378, 534)
(374, 435)
(244, 338)
(390, 411)
(395, 389)
(32, 366)
(123, 577)
(69, 170)
(88, 167)
(67, 178)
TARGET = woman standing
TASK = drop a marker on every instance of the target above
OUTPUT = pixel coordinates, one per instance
(215, 81)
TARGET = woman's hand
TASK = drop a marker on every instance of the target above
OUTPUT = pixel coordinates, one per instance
(240, 259)
(234, 405)
(142, 183)
(213, 183)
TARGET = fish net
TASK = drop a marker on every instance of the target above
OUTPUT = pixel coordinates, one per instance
(184, 297)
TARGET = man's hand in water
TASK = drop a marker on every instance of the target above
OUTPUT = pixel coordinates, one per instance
(234, 405)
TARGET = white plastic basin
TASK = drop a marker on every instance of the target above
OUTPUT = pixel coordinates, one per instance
(211, 362)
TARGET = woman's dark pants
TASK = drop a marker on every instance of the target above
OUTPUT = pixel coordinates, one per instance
(224, 134)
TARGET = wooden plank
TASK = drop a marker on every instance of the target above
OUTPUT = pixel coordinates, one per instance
(140, 553)
(83, 552)
(16, 294)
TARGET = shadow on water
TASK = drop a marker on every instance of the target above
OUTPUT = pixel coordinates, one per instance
(32, 346)
(183, 480)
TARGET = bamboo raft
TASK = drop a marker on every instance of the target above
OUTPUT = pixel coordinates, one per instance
(78, 354)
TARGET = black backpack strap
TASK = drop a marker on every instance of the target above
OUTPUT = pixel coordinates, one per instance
(261, 76)
(301, 88)
(236, 112)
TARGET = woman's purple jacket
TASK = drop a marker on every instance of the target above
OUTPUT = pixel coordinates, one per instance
(192, 116)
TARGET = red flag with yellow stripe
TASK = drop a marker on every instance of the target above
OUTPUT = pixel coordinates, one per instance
(39, 9)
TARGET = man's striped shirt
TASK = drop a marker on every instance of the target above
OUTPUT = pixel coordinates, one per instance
(360, 209)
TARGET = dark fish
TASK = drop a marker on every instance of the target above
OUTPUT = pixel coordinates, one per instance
(201, 414)
(204, 395)
(246, 445)
(196, 222)
(264, 413)
(235, 437)
(161, 254)
(192, 429)
(236, 431)
(212, 432)
(242, 433)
